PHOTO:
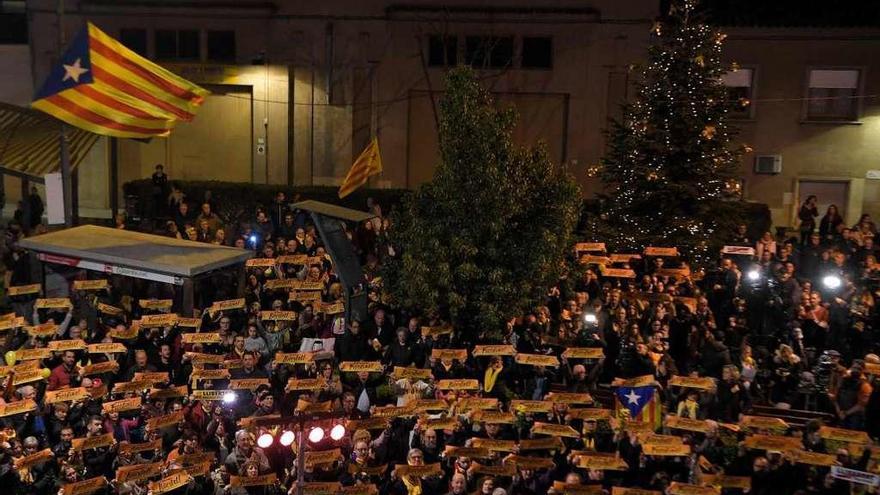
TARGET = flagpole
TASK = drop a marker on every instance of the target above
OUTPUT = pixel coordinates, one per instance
(66, 182)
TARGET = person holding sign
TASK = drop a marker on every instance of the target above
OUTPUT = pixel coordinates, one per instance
(414, 484)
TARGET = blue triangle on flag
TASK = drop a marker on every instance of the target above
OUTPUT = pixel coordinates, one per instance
(635, 398)
(74, 68)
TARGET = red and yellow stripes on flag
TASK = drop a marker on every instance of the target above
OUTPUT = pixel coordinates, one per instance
(129, 97)
(368, 163)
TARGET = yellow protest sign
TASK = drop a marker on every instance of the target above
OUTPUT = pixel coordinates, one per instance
(508, 470)
(459, 384)
(449, 354)
(247, 383)
(156, 304)
(661, 251)
(623, 257)
(67, 345)
(321, 488)
(65, 395)
(727, 481)
(129, 333)
(773, 442)
(170, 483)
(110, 310)
(201, 338)
(763, 422)
(676, 488)
(168, 393)
(138, 472)
(260, 262)
(152, 376)
(373, 423)
(100, 368)
(42, 330)
(165, 420)
(333, 308)
(570, 398)
(53, 303)
(531, 406)
(494, 445)
(426, 470)
(424, 405)
(525, 462)
(617, 272)
(536, 360)
(278, 315)
(478, 403)
(294, 357)
(134, 386)
(440, 424)
(811, 458)
(99, 284)
(590, 414)
(89, 443)
(293, 259)
(540, 428)
(844, 435)
(437, 331)
(33, 459)
(401, 373)
(122, 405)
(493, 350)
(135, 448)
(318, 457)
(23, 290)
(591, 247)
(666, 450)
(28, 376)
(85, 487)
(680, 423)
(203, 374)
(471, 452)
(618, 490)
(19, 407)
(108, 348)
(584, 353)
(160, 320)
(545, 443)
(356, 366)
(701, 383)
(228, 305)
(29, 354)
(601, 462)
(310, 384)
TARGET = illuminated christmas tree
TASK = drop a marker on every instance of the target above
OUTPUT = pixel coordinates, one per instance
(670, 169)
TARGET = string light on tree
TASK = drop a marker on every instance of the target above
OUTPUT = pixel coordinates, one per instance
(671, 163)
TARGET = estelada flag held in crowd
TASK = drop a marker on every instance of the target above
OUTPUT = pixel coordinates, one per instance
(368, 163)
(637, 400)
(101, 86)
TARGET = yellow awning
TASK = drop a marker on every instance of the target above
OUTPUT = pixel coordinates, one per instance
(30, 145)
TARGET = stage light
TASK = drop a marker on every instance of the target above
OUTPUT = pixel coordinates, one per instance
(253, 239)
(590, 318)
(265, 440)
(337, 432)
(229, 397)
(831, 281)
(316, 435)
(286, 438)
(753, 275)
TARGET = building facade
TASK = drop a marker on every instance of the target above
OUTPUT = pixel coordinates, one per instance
(299, 88)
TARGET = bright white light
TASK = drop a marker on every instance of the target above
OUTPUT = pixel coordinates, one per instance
(831, 281)
(286, 438)
(316, 435)
(229, 397)
(265, 440)
(590, 318)
(753, 275)
(337, 433)
(253, 238)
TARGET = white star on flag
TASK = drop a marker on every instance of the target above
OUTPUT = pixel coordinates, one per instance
(74, 71)
(633, 397)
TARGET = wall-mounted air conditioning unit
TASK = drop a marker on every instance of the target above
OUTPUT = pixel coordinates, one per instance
(768, 164)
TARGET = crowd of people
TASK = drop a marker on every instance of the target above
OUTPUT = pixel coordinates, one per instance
(112, 391)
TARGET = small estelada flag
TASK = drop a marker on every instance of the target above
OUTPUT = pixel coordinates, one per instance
(101, 86)
(368, 163)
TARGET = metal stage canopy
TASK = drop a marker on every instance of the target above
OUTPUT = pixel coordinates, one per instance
(134, 254)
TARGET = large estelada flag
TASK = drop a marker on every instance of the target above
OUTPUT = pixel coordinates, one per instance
(368, 163)
(103, 87)
(640, 404)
